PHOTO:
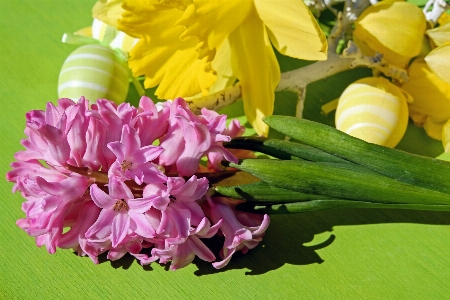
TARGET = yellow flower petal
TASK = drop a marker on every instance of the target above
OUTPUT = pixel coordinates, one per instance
(433, 129)
(439, 35)
(431, 95)
(254, 63)
(439, 62)
(213, 21)
(446, 136)
(394, 29)
(160, 55)
(222, 65)
(108, 11)
(292, 29)
(444, 19)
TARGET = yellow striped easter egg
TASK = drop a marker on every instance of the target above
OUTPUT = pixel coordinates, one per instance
(374, 110)
(121, 40)
(95, 72)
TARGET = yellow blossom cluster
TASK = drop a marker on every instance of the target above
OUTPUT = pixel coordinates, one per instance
(400, 32)
(196, 47)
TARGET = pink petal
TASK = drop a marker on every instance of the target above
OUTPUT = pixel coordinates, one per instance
(102, 227)
(141, 205)
(119, 228)
(141, 225)
(100, 198)
(89, 213)
(181, 219)
(116, 253)
(183, 256)
(118, 149)
(225, 261)
(146, 154)
(118, 189)
(130, 140)
(200, 249)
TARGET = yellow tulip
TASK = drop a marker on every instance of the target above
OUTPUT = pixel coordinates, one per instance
(186, 46)
(394, 29)
(431, 106)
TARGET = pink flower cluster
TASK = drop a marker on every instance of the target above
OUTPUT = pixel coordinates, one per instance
(120, 179)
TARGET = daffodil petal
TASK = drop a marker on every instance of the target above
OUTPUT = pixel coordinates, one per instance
(446, 136)
(213, 21)
(254, 63)
(431, 95)
(439, 62)
(185, 75)
(160, 55)
(225, 77)
(394, 29)
(440, 35)
(433, 129)
(292, 29)
(221, 64)
(108, 11)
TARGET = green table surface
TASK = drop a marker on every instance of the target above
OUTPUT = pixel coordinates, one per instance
(339, 254)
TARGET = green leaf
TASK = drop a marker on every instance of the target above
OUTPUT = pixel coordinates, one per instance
(313, 205)
(346, 181)
(422, 171)
(261, 192)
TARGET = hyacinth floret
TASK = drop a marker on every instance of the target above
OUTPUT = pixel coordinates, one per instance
(119, 179)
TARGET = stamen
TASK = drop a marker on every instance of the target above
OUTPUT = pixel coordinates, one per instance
(121, 203)
(125, 165)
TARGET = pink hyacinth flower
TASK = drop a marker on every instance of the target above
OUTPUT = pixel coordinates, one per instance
(133, 161)
(238, 236)
(121, 213)
(182, 251)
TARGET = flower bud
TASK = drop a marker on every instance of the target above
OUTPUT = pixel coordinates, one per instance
(394, 29)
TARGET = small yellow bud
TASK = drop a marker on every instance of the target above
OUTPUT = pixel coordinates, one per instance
(394, 29)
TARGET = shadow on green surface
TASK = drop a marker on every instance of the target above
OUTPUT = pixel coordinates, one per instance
(287, 235)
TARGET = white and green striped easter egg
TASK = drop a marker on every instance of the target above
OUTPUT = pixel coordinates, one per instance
(95, 72)
(374, 110)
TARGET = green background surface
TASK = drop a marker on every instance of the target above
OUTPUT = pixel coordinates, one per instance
(339, 254)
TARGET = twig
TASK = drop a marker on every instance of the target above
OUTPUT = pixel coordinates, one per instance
(376, 62)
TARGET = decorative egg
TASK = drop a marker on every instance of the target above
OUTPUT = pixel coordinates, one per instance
(95, 72)
(374, 110)
(119, 39)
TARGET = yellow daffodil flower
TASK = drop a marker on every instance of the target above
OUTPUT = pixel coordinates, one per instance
(187, 45)
(431, 106)
(394, 29)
